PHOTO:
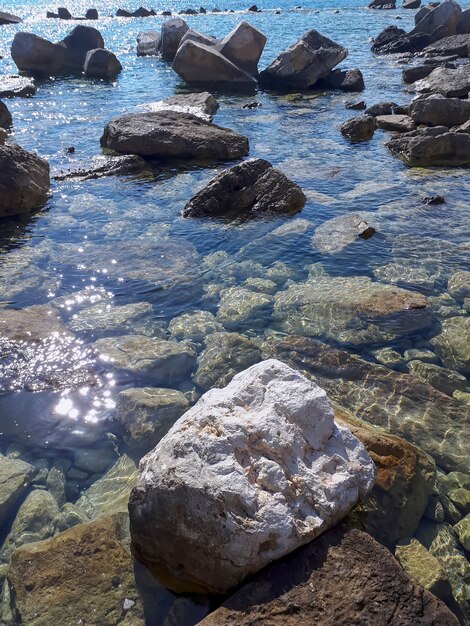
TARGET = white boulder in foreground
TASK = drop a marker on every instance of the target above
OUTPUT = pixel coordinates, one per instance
(247, 475)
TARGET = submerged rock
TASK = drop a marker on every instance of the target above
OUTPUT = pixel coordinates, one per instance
(443, 379)
(262, 455)
(353, 310)
(339, 232)
(15, 477)
(110, 493)
(329, 582)
(24, 181)
(423, 567)
(398, 402)
(147, 413)
(458, 285)
(158, 360)
(239, 306)
(194, 326)
(107, 319)
(84, 573)
(428, 147)
(33, 522)
(251, 188)
(304, 63)
(453, 343)
(224, 355)
(169, 134)
(9, 18)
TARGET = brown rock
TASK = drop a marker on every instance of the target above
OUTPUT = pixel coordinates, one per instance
(340, 579)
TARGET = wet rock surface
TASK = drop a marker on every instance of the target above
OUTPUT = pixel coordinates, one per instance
(431, 147)
(115, 166)
(17, 86)
(282, 492)
(341, 578)
(87, 570)
(400, 403)
(171, 134)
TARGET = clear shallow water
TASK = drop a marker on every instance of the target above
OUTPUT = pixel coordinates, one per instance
(124, 241)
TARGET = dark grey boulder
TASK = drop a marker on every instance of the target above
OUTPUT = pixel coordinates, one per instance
(411, 4)
(148, 42)
(428, 147)
(360, 128)
(5, 116)
(172, 32)
(9, 18)
(417, 72)
(198, 64)
(101, 63)
(248, 189)
(386, 108)
(439, 111)
(346, 80)
(91, 14)
(39, 56)
(170, 134)
(64, 14)
(302, 65)
(393, 40)
(24, 181)
(382, 4)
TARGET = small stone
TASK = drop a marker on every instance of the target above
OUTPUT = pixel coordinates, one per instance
(194, 326)
(359, 128)
(358, 105)
(388, 357)
(461, 498)
(433, 200)
(434, 510)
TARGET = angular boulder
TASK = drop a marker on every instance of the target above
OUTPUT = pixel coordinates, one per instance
(148, 42)
(463, 25)
(431, 147)
(5, 116)
(194, 35)
(394, 40)
(360, 128)
(249, 189)
(249, 474)
(169, 134)
(444, 17)
(198, 64)
(24, 181)
(304, 63)
(39, 56)
(172, 32)
(439, 111)
(243, 46)
(344, 577)
(101, 63)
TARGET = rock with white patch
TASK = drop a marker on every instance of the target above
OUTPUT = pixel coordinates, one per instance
(249, 474)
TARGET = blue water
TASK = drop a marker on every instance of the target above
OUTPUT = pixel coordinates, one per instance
(299, 134)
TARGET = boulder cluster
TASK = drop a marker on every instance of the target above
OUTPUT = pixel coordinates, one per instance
(81, 51)
(233, 60)
(64, 14)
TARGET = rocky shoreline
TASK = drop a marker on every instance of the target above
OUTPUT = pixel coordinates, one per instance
(282, 450)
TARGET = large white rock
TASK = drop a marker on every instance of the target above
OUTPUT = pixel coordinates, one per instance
(250, 473)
